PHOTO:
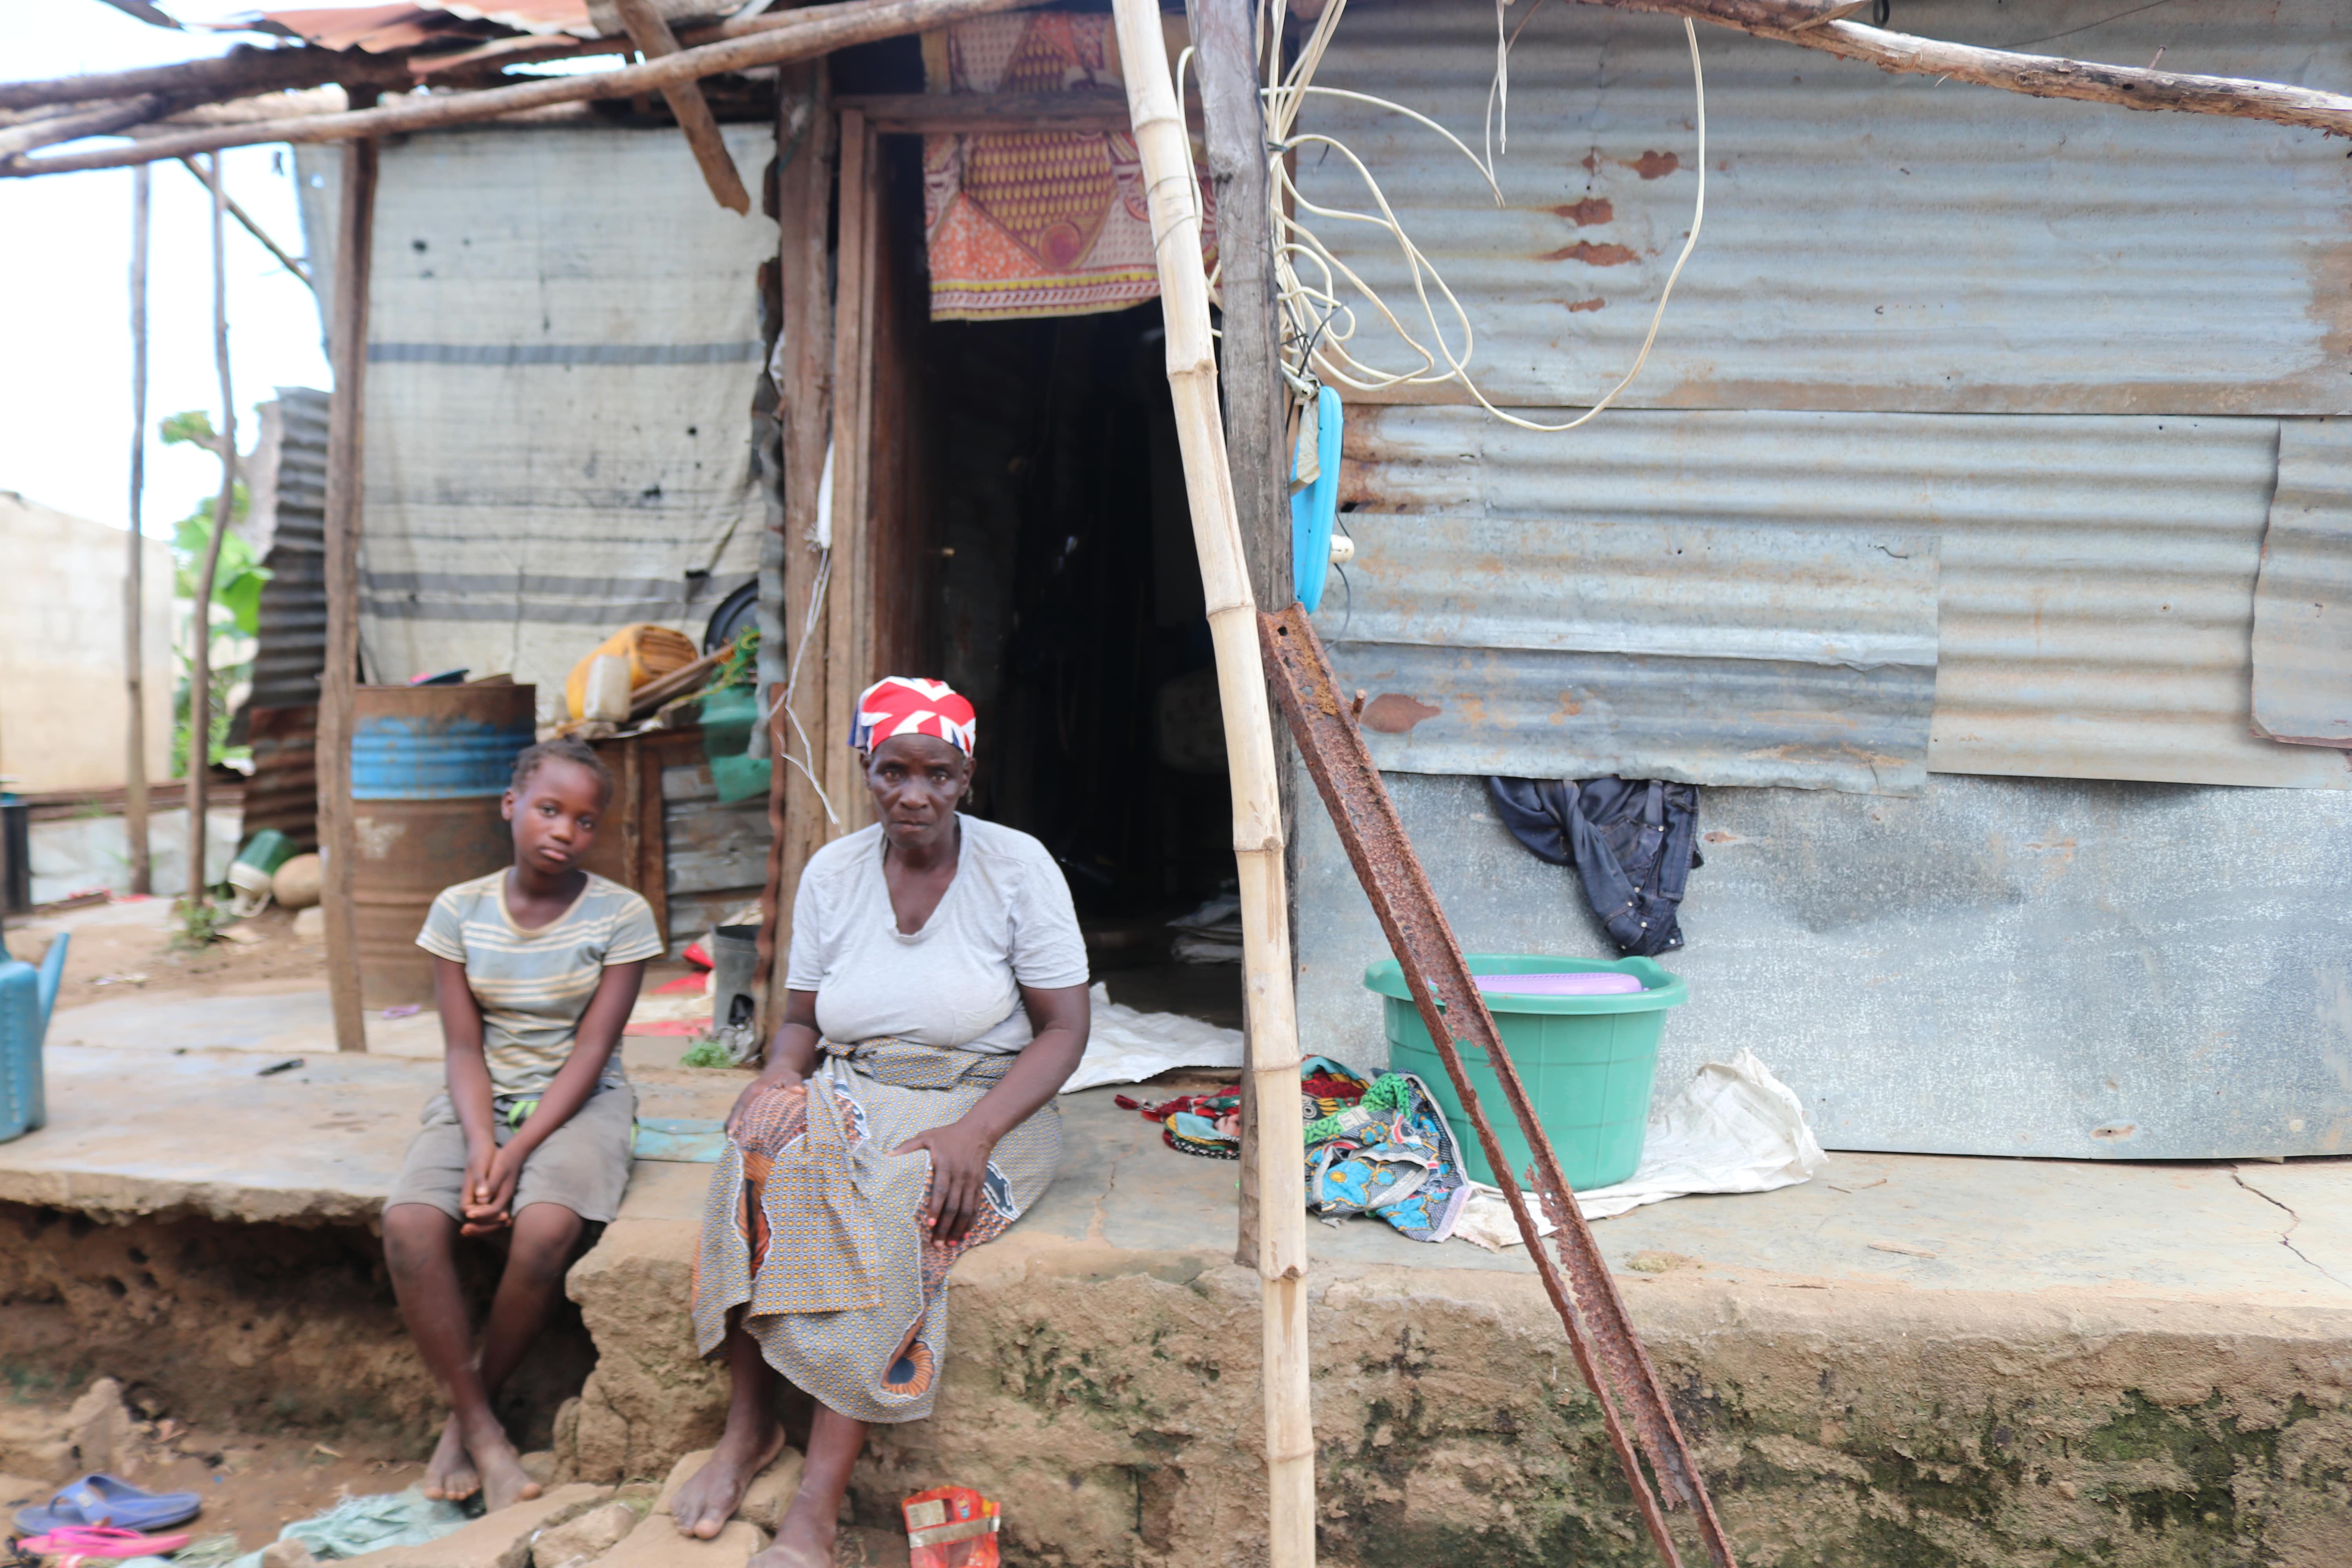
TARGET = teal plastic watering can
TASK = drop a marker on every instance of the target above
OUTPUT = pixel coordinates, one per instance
(27, 995)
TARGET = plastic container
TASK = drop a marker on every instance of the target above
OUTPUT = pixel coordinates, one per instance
(27, 995)
(1588, 1062)
(428, 765)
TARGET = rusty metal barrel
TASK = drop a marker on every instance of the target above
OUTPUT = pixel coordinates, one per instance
(429, 764)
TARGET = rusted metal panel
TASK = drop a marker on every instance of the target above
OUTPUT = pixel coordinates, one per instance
(428, 765)
(283, 791)
(1685, 650)
(2044, 967)
(2096, 572)
(2303, 600)
(287, 525)
(1871, 241)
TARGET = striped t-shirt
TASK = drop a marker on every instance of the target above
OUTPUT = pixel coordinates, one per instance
(532, 985)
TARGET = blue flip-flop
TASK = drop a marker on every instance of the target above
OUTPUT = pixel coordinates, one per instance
(107, 1499)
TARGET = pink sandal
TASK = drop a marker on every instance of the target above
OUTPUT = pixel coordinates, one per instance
(80, 1543)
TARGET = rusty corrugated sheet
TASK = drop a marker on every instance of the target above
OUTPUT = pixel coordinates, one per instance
(2096, 574)
(283, 791)
(1872, 241)
(2303, 601)
(287, 526)
(1733, 653)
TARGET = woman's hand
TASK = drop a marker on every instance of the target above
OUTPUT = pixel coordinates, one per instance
(774, 1077)
(959, 1166)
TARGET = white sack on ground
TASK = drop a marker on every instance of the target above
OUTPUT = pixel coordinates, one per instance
(1734, 1128)
(1127, 1047)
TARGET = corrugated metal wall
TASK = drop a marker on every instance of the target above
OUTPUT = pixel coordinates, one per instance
(1703, 650)
(1872, 241)
(2000, 966)
(2096, 578)
(2061, 339)
(287, 526)
(2302, 602)
(286, 523)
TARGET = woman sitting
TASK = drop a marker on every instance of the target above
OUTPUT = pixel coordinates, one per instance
(935, 1001)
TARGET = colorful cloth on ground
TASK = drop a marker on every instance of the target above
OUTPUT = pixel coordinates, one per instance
(814, 1228)
(1036, 223)
(909, 705)
(1390, 1154)
(532, 985)
(1378, 1146)
(1210, 1125)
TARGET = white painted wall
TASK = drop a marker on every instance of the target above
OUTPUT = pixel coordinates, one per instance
(63, 708)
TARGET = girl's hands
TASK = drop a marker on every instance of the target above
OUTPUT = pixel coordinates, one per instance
(489, 1196)
(959, 1166)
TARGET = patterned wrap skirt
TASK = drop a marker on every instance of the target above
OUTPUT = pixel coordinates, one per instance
(815, 1228)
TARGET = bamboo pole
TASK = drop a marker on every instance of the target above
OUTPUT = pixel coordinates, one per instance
(347, 344)
(135, 597)
(1281, 1155)
(200, 673)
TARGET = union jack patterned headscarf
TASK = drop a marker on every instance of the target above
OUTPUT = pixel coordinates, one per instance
(909, 705)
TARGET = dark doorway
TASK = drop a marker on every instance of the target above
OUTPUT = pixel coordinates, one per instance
(1067, 603)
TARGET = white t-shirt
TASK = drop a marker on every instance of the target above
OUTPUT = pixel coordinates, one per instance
(1005, 922)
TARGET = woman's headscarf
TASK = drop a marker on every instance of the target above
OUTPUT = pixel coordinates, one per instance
(909, 705)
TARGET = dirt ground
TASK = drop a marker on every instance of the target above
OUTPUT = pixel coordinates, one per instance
(128, 946)
(252, 1485)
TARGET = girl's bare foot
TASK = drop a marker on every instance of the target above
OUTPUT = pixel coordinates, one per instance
(504, 1480)
(803, 1541)
(710, 1496)
(450, 1473)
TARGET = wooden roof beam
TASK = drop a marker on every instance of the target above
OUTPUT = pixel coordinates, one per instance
(700, 127)
(1820, 24)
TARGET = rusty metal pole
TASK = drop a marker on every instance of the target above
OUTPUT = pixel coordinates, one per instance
(1599, 1334)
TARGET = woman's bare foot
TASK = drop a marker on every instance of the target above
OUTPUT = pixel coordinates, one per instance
(450, 1472)
(803, 1541)
(504, 1480)
(710, 1496)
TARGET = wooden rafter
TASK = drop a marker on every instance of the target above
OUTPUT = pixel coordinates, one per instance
(1821, 25)
(700, 127)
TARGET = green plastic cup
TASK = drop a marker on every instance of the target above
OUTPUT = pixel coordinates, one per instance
(1588, 1062)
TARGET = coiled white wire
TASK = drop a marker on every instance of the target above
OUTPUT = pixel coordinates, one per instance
(1319, 320)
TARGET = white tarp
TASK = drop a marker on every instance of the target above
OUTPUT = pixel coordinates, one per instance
(1127, 1047)
(1734, 1128)
(564, 344)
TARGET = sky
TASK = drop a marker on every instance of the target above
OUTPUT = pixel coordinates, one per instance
(65, 260)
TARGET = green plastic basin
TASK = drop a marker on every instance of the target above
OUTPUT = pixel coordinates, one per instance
(1587, 1062)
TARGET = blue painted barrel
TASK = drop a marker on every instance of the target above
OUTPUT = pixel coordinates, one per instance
(428, 765)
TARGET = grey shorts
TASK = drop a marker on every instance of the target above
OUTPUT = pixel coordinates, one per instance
(584, 1165)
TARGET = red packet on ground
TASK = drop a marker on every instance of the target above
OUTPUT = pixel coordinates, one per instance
(951, 1527)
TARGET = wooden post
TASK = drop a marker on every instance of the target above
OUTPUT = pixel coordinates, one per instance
(135, 597)
(346, 456)
(692, 111)
(1224, 40)
(849, 589)
(1280, 1152)
(804, 129)
(200, 672)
